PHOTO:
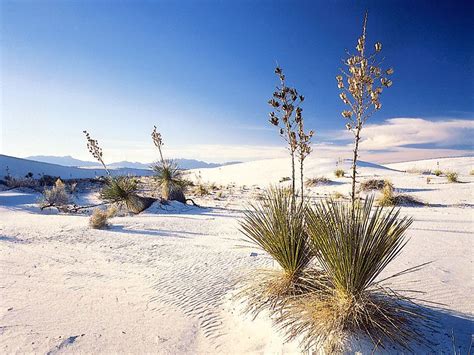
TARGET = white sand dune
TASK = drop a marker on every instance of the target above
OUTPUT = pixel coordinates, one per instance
(161, 281)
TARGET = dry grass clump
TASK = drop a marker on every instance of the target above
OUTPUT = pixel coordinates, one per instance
(336, 195)
(471, 172)
(312, 182)
(389, 198)
(437, 172)
(374, 184)
(284, 179)
(277, 226)
(339, 173)
(452, 176)
(56, 196)
(201, 189)
(415, 170)
(99, 219)
(352, 249)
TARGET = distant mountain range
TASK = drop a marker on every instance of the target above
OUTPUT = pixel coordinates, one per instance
(73, 162)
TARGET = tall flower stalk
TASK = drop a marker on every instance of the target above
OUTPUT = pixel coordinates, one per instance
(158, 141)
(287, 116)
(95, 150)
(361, 84)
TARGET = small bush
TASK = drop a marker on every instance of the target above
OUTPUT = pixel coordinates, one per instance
(339, 173)
(438, 172)
(389, 198)
(99, 219)
(374, 184)
(471, 172)
(452, 176)
(57, 196)
(201, 190)
(13, 183)
(112, 211)
(285, 178)
(336, 195)
(418, 171)
(312, 182)
(47, 180)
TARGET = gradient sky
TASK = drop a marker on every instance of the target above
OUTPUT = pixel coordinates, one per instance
(203, 71)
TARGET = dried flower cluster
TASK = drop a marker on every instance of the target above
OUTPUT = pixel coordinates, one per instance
(287, 116)
(158, 141)
(361, 91)
(95, 150)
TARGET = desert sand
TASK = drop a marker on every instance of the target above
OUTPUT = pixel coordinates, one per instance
(162, 281)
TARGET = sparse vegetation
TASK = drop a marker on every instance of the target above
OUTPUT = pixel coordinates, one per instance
(347, 300)
(168, 174)
(374, 184)
(277, 226)
(123, 189)
(170, 179)
(339, 173)
(438, 172)
(390, 198)
(452, 176)
(201, 190)
(120, 189)
(312, 182)
(336, 195)
(471, 172)
(420, 171)
(284, 179)
(99, 219)
(56, 196)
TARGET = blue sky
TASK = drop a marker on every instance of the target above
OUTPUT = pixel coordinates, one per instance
(203, 71)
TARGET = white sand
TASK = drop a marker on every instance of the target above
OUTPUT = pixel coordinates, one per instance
(161, 281)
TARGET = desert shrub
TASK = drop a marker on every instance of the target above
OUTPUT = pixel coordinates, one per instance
(471, 172)
(336, 195)
(352, 248)
(201, 189)
(311, 182)
(390, 198)
(452, 176)
(374, 184)
(420, 171)
(170, 179)
(99, 219)
(285, 178)
(339, 173)
(56, 196)
(13, 182)
(47, 180)
(275, 225)
(437, 172)
(123, 190)
(112, 211)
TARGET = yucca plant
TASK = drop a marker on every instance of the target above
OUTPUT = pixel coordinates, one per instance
(276, 226)
(353, 247)
(170, 179)
(123, 189)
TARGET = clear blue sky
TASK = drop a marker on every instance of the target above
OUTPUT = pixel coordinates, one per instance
(203, 70)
